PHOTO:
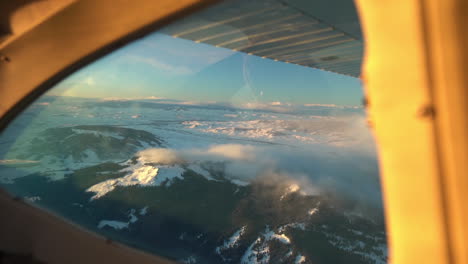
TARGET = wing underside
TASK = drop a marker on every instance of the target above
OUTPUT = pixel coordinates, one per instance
(295, 31)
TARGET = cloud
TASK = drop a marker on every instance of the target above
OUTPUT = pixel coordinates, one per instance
(323, 105)
(349, 131)
(153, 98)
(272, 106)
(233, 151)
(347, 174)
(114, 98)
(218, 153)
(160, 156)
(285, 107)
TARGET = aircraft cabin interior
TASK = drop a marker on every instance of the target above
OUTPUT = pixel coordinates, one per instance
(233, 131)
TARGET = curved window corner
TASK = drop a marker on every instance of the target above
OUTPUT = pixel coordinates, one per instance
(235, 135)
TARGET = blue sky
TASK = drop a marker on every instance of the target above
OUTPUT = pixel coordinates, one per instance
(162, 66)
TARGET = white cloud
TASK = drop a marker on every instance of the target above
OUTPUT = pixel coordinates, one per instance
(272, 106)
(332, 106)
(233, 151)
(153, 98)
(114, 98)
(346, 173)
(160, 156)
(342, 131)
(323, 105)
(342, 171)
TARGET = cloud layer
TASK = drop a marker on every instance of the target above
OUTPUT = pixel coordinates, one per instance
(346, 174)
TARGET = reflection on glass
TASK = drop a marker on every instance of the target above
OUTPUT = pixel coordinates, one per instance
(204, 154)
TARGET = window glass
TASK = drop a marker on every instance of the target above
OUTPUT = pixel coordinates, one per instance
(236, 135)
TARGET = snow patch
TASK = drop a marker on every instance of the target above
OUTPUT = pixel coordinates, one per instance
(239, 182)
(144, 210)
(167, 175)
(132, 216)
(291, 189)
(259, 255)
(32, 199)
(232, 241)
(139, 174)
(300, 226)
(312, 211)
(299, 259)
(259, 251)
(189, 260)
(270, 235)
(282, 238)
(118, 225)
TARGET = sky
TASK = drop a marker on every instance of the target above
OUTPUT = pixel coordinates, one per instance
(161, 66)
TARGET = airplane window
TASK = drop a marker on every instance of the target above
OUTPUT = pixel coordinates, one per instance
(236, 135)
